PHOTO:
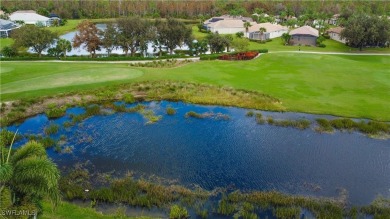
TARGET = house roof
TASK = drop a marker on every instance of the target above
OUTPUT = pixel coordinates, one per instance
(305, 30)
(335, 30)
(268, 26)
(27, 17)
(7, 25)
(227, 24)
(227, 17)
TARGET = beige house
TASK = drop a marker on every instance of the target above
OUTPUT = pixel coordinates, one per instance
(227, 24)
(271, 31)
(305, 35)
(335, 34)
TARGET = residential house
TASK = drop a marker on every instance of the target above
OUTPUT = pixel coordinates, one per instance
(271, 31)
(305, 35)
(6, 27)
(30, 17)
(227, 24)
(335, 34)
(334, 19)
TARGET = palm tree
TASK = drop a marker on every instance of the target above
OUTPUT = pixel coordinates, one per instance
(64, 46)
(28, 176)
(262, 30)
(247, 25)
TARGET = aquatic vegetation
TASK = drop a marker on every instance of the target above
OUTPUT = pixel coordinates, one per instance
(136, 108)
(259, 118)
(226, 207)
(54, 111)
(92, 110)
(128, 98)
(324, 125)
(51, 129)
(250, 113)
(178, 212)
(216, 116)
(170, 111)
(287, 212)
(194, 115)
(7, 136)
(343, 124)
(300, 124)
(379, 208)
(150, 116)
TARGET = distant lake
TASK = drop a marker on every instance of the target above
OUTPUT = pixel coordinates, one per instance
(80, 51)
(237, 153)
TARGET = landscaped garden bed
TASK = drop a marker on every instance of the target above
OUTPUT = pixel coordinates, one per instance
(239, 56)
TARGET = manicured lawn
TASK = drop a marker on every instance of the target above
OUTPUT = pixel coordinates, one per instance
(354, 86)
(5, 42)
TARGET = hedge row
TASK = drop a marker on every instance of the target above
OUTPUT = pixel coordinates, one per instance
(217, 55)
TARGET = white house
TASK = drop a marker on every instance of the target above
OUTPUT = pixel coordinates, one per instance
(271, 31)
(30, 17)
(6, 27)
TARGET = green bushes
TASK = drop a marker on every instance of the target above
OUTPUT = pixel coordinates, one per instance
(128, 98)
(92, 110)
(225, 207)
(209, 56)
(178, 212)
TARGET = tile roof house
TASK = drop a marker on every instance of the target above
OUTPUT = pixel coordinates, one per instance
(335, 34)
(272, 31)
(305, 35)
(30, 17)
(226, 24)
(6, 27)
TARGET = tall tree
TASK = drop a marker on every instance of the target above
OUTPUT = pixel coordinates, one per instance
(286, 38)
(88, 36)
(174, 33)
(133, 33)
(32, 36)
(110, 38)
(247, 25)
(362, 30)
(216, 42)
(64, 46)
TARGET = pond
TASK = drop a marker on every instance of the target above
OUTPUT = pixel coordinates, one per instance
(81, 51)
(235, 153)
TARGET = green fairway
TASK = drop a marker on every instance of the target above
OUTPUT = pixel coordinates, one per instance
(354, 86)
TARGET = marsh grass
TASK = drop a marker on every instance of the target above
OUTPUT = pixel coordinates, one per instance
(324, 125)
(287, 212)
(54, 111)
(170, 111)
(150, 116)
(51, 129)
(46, 142)
(250, 113)
(259, 118)
(7, 136)
(370, 127)
(193, 114)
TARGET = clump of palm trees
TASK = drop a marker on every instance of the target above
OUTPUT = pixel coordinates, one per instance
(27, 176)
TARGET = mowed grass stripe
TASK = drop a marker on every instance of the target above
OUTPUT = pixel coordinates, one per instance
(353, 86)
(69, 78)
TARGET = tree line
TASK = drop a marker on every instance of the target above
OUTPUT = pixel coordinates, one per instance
(82, 9)
(132, 35)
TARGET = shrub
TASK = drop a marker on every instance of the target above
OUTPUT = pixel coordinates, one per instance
(209, 57)
(171, 111)
(178, 212)
(263, 50)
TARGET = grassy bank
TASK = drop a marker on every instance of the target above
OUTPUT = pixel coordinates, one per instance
(350, 86)
(67, 210)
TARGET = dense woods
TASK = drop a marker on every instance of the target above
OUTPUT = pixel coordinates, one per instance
(75, 9)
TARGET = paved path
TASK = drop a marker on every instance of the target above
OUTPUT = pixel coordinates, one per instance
(335, 53)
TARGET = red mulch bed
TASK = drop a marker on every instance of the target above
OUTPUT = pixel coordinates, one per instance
(239, 56)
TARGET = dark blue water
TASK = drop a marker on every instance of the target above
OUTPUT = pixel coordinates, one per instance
(235, 153)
